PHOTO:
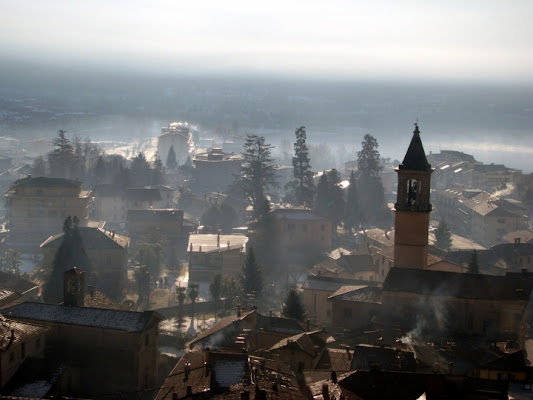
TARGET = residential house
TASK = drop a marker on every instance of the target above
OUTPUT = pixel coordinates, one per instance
(301, 233)
(353, 307)
(37, 207)
(14, 289)
(107, 253)
(250, 330)
(20, 342)
(177, 135)
(117, 349)
(112, 203)
(215, 171)
(479, 215)
(212, 253)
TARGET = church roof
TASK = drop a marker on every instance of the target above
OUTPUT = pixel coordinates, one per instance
(415, 158)
(459, 285)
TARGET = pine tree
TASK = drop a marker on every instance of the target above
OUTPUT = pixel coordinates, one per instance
(258, 173)
(293, 306)
(143, 278)
(369, 186)
(71, 253)
(140, 171)
(336, 203)
(351, 211)
(443, 236)
(172, 163)
(158, 171)
(39, 167)
(60, 160)
(304, 188)
(252, 276)
(473, 266)
(322, 195)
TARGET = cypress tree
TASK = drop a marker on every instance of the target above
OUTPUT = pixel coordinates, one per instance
(293, 306)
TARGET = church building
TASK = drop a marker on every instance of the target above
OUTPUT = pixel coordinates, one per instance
(439, 303)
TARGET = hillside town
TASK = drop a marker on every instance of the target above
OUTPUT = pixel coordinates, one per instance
(209, 266)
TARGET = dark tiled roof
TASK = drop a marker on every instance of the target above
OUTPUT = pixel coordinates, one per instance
(335, 360)
(22, 332)
(305, 341)
(460, 285)
(42, 181)
(97, 299)
(129, 321)
(509, 362)
(15, 283)
(363, 294)
(415, 158)
(331, 284)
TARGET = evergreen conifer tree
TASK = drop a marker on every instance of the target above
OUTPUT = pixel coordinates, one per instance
(70, 253)
(252, 276)
(304, 188)
(443, 236)
(172, 163)
(293, 306)
(322, 195)
(370, 189)
(351, 211)
(258, 173)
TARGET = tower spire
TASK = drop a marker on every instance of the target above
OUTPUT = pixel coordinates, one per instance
(415, 158)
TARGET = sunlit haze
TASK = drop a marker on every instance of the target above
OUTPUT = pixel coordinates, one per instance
(482, 40)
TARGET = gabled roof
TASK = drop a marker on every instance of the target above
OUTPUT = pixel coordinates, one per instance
(15, 283)
(459, 285)
(359, 294)
(93, 238)
(42, 181)
(129, 321)
(305, 341)
(415, 158)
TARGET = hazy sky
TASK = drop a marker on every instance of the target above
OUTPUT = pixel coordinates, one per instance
(482, 39)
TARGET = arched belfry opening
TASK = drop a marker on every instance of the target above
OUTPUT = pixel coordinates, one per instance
(412, 206)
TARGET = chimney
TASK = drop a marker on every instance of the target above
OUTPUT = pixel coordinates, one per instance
(189, 390)
(517, 240)
(325, 391)
(73, 287)
(334, 377)
(186, 371)
(228, 244)
(399, 344)
(450, 368)
(113, 235)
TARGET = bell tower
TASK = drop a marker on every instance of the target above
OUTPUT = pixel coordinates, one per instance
(412, 207)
